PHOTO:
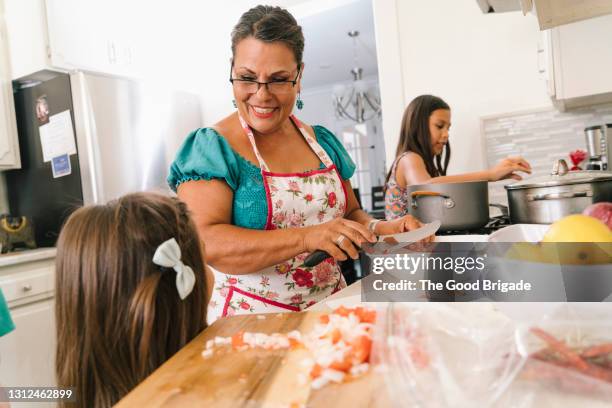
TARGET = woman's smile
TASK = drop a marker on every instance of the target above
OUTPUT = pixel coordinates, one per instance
(261, 112)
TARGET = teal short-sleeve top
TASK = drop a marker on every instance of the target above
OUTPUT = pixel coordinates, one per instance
(6, 323)
(206, 155)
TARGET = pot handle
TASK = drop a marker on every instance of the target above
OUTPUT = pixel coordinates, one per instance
(558, 196)
(421, 193)
(502, 208)
(448, 201)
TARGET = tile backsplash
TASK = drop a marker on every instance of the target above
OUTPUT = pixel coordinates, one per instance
(540, 136)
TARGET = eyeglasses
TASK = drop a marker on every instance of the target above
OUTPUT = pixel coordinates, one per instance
(278, 87)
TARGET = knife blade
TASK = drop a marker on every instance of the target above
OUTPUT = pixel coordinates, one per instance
(385, 243)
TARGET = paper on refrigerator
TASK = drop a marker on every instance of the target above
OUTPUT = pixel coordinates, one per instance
(57, 136)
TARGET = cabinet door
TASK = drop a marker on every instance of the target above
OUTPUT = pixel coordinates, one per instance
(104, 42)
(27, 354)
(583, 58)
(9, 146)
(545, 62)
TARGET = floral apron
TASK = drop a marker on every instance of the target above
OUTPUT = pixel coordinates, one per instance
(294, 200)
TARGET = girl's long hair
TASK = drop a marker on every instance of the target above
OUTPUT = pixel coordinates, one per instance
(118, 314)
(416, 137)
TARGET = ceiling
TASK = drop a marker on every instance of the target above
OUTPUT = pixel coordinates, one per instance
(329, 52)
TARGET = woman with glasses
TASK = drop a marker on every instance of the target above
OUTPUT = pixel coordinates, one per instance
(265, 189)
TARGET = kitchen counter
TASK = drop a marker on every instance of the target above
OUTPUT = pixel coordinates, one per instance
(30, 255)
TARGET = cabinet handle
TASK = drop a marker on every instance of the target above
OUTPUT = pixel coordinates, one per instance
(112, 54)
(26, 288)
(541, 70)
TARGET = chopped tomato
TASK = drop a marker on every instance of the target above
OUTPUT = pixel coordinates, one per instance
(294, 344)
(238, 340)
(316, 371)
(344, 365)
(336, 336)
(342, 311)
(365, 315)
(361, 347)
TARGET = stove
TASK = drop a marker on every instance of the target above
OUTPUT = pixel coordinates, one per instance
(493, 225)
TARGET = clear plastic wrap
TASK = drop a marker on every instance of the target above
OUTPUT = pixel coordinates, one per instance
(445, 355)
(568, 358)
(476, 355)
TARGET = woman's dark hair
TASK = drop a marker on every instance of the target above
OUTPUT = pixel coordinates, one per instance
(270, 24)
(119, 315)
(415, 136)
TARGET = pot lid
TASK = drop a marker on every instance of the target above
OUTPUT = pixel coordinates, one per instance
(573, 177)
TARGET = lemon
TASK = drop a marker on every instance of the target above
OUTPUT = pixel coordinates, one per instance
(578, 228)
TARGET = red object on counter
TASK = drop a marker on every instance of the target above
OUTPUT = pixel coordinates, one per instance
(602, 211)
(577, 156)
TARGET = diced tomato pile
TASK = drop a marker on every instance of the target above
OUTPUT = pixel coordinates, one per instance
(339, 344)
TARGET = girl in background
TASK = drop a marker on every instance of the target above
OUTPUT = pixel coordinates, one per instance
(131, 291)
(423, 153)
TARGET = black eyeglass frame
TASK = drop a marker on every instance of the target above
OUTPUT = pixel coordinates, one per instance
(259, 84)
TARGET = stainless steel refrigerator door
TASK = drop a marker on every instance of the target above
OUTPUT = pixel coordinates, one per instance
(128, 133)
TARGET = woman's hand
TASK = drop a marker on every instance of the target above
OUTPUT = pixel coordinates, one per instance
(328, 237)
(399, 225)
(506, 169)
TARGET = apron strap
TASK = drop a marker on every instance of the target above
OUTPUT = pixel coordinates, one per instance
(314, 145)
(249, 133)
(312, 142)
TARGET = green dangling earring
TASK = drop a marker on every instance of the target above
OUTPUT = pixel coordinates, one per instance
(299, 103)
(234, 103)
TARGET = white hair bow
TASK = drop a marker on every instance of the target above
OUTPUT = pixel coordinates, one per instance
(168, 255)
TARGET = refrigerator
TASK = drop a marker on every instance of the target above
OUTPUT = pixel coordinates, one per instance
(88, 138)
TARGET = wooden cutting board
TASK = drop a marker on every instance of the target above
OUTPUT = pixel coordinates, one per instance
(251, 378)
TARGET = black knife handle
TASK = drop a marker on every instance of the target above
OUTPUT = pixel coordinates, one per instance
(315, 258)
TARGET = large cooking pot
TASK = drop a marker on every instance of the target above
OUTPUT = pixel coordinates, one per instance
(545, 199)
(458, 206)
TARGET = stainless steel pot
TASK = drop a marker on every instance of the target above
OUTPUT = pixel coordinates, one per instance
(544, 200)
(458, 206)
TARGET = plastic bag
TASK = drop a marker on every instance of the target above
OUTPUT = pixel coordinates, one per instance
(445, 355)
(568, 358)
(482, 354)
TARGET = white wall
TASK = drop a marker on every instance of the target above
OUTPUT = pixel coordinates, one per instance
(481, 64)
(27, 34)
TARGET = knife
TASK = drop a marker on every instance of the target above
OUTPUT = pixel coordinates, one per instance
(389, 242)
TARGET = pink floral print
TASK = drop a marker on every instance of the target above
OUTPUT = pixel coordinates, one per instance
(324, 274)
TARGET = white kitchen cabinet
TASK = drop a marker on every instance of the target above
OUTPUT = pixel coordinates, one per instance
(27, 354)
(9, 145)
(580, 55)
(96, 36)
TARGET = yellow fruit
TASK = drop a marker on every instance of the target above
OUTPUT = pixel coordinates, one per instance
(590, 243)
(582, 253)
(578, 228)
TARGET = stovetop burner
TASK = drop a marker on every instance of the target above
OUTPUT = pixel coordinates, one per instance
(493, 225)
